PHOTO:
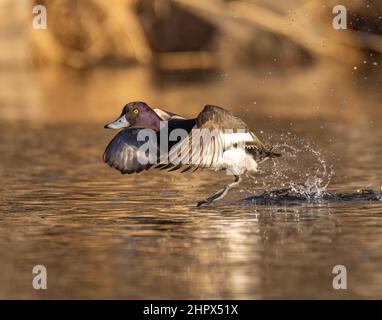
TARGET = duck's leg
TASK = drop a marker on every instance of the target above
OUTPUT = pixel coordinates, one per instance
(220, 193)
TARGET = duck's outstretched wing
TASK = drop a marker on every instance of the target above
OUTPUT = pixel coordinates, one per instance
(123, 153)
(214, 116)
(216, 130)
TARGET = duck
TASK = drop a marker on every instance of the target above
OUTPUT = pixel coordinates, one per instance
(230, 144)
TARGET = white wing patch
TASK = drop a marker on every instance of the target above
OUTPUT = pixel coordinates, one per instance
(215, 149)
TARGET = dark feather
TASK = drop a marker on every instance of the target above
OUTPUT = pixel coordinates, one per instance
(214, 117)
(122, 152)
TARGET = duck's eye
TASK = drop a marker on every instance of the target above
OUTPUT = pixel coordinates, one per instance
(135, 111)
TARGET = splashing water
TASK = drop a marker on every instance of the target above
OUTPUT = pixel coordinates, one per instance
(285, 181)
(286, 172)
(315, 186)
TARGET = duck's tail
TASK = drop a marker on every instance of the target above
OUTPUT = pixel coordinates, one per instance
(271, 154)
(260, 155)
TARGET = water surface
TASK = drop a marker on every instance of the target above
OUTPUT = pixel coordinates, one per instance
(104, 235)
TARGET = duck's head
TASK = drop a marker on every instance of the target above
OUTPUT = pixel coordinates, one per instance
(136, 115)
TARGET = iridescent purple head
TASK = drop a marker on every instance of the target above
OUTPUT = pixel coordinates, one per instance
(136, 114)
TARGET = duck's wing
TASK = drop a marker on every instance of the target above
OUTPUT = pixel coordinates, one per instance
(214, 117)
(166, 115)
(236, 132)
(123, 153)
(215, 131)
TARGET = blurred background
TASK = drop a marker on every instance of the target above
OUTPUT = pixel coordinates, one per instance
(277, 58)
(278, 64)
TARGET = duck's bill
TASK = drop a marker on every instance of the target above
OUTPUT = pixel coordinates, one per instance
(121, 122)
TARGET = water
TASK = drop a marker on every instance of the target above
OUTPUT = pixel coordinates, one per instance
(104, 235)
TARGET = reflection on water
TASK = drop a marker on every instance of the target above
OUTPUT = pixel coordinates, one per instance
(104, 235)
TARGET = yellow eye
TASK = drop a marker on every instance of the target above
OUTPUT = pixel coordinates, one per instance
(136, 111)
